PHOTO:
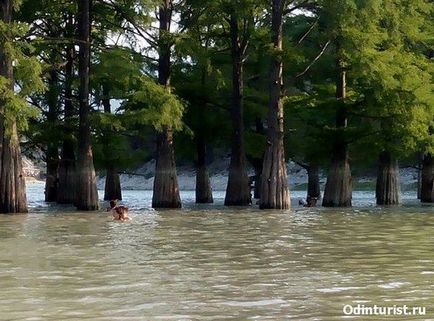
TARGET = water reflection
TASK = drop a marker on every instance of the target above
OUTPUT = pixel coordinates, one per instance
(213, 263)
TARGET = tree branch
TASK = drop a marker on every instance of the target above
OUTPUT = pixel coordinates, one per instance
(308, 31)
(314, 60)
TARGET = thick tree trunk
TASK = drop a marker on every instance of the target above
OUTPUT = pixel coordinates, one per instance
(313, 186)
(66, 172)
(203, 184)
(52, 155)
(427, 189)
(12, 181)
(388, 190)
(257, 185)
(237, 190)
(67, 166)
(87, 194)
(257, 162)
(274, 184)
(166, 190)
(112, 190)
(51, 179)
(338, 189)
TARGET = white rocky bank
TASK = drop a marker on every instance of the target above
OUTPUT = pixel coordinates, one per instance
(218, 175)
(297, 176)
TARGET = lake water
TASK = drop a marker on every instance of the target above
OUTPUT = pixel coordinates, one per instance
(214, 263)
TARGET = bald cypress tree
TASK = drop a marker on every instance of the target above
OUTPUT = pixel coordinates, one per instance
(379, 46)
(166, 190)
(274, 185)
(67, 164)
(13, 109)
(338, 189)
(240, 21)
(86, 190)
(112, 188)
(12, 183)
(52, 154)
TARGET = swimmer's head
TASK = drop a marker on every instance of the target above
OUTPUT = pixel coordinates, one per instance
(113, 203)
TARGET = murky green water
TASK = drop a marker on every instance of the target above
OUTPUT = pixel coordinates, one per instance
(214, 264)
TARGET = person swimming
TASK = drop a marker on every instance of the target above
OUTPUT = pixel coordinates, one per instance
(119, 212)
(310, 201)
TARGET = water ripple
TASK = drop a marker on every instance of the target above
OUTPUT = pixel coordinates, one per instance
(212, 263)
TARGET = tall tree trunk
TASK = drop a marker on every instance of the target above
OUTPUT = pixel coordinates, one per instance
(51, 179)
(427, 189)
(52, 155)
(237, 190)
(338, 189)
(257, 162)
(112, 189)
(388, 190)
(12, 181)
(87, 194)
(274, 184)
(67, 170)
(313, 185)
(166, 190)
(203, 184)
(258, 173)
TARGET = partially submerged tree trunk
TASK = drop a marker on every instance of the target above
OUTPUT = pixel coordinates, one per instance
(388, 190)
(313, 185)
(238, 189)
(257, 162)
(112, 189)
(257, 166)
(52, 155)
(87, 194)
(338, 189)
(203, 184)
(12, 181)
(67, 171)
(427, 188)
(166, 190)
(51, 178)
(274, 184)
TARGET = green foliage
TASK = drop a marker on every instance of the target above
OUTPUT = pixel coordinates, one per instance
(116, 70)
(382, 45)
(27, 72)
(393, 74)
(112, 143)
(154, 105)
(385, 47)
